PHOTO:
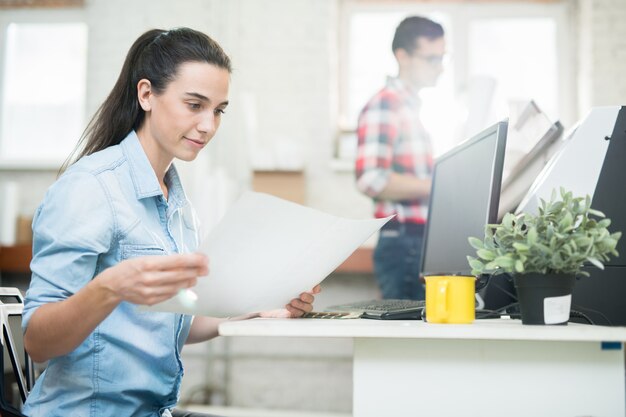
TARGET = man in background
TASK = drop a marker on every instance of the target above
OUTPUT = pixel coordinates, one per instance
(394, 157)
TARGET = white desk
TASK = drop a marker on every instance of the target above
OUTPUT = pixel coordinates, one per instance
(496, 368)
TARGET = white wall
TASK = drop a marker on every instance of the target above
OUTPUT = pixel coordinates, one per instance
(285, 57)
(283, 92)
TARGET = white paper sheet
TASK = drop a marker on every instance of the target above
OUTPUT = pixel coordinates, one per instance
(265, 252)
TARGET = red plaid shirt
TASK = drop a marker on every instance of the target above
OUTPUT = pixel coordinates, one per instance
(393, 139)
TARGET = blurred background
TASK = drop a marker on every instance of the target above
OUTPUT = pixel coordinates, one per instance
(302, 71)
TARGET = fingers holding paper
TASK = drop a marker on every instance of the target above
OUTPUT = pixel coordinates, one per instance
(296, 307)
(304, 304)
(151, 279)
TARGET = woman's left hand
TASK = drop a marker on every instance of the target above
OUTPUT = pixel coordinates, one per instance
(296, 307)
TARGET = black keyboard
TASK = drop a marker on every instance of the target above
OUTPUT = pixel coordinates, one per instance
(384, 309)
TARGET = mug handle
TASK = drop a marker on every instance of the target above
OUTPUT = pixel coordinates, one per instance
(442, 297)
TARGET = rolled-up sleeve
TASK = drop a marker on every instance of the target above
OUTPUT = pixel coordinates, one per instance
(71, 228)
(377, 133)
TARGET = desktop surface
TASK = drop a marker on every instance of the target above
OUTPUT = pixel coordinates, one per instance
(488, 329)
(401, 365)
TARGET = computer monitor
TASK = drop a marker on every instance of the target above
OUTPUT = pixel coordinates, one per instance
(464, 198)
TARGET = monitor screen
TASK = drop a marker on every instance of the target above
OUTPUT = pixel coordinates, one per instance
(464, 198)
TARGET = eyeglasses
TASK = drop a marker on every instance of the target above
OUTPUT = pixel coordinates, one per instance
(432, 59)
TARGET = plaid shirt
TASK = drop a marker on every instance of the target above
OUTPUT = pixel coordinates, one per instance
(393, 139)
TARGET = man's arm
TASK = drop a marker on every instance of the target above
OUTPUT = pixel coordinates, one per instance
(377, 133)
(405, 187)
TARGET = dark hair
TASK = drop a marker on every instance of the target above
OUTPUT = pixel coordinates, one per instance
(414, 27)
(155, 56)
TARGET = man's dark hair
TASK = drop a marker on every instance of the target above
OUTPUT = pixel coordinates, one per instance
(414, 27)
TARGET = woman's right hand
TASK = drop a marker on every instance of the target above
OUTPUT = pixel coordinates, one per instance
(152, 279)
(55, 329)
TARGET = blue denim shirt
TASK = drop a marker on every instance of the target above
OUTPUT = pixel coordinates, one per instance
(106, 208)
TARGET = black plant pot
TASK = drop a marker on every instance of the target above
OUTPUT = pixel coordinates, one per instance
(544, 298)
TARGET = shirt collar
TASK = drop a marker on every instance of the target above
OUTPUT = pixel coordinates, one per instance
(404, 90)
(175, 187)
(144, 179)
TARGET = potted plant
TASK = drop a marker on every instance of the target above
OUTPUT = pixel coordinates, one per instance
(544, 252)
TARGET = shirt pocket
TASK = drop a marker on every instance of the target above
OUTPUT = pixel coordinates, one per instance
(130, 251)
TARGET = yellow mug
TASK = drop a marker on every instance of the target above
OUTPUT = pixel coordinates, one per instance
(450, 299)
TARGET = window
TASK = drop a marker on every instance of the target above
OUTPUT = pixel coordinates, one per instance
(524, 66)
(499, 55)
(43, 82)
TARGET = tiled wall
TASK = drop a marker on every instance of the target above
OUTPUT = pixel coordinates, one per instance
(602, 55)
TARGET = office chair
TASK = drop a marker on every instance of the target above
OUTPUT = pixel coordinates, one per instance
(19, 366)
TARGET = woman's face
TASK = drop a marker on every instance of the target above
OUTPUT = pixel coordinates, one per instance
(181, 120)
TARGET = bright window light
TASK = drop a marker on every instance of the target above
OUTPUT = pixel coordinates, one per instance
(495, 62)
(370, 61)
(43, 91)
(519, 56)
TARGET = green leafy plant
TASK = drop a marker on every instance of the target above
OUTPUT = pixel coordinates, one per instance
(564, 235)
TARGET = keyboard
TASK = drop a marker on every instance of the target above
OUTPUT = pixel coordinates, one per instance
(331, 315)
(384, 309)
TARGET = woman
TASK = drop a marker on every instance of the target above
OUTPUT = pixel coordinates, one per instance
(116, 231)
